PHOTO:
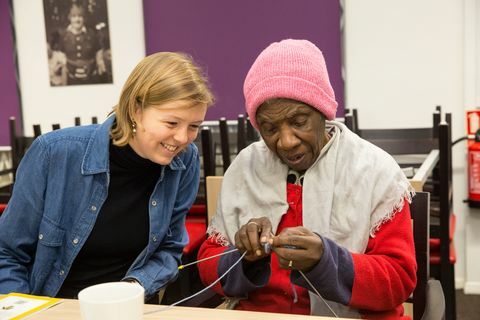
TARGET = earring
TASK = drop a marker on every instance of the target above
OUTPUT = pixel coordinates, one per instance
(134, 128)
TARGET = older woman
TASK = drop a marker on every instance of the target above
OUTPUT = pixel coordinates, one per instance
(108, 202)
(333, 207)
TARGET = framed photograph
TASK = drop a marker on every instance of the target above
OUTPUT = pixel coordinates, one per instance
(73, 57)
(78, 42)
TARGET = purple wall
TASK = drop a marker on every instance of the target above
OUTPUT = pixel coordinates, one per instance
(9, 103)
(223, 36)
(226, 36)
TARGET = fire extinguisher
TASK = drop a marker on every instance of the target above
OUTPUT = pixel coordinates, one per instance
(474, 170)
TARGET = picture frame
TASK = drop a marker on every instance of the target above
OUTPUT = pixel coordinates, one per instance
(78, 42)
(44, 104)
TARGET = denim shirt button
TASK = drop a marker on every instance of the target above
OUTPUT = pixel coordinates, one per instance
(154, 239)
(40, 236)
(93, 208)
(75, 241)
(61, 272)
(154, 203)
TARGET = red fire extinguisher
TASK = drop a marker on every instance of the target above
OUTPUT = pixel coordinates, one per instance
(474, 170)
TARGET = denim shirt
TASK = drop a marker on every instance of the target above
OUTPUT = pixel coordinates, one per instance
(60, 187)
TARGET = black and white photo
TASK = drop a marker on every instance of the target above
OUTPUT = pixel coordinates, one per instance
(78, 42)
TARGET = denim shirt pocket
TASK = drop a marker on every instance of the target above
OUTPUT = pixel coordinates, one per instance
(47, 258)
(50, 235)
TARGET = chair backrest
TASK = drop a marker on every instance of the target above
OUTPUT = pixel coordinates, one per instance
(445, 184)
(208, 152)
(351, 120)
(398, 141)
(241, 133)
(228, 139)
(37, 130)
(224, 143)
(19, 145)
(252, 134)
(213, 186)
(443, 228)
(420, 213)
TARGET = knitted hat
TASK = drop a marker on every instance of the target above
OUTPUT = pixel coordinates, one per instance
(293, 69)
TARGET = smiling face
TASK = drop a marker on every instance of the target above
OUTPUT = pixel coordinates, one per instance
(165, 130)
(293, 130)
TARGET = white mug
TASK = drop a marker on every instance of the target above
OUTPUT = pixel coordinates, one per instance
(112, 300)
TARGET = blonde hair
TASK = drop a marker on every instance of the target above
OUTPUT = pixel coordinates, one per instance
(159, 78)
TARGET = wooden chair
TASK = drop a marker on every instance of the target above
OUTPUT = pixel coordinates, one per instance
(428, 292)
(420, 213)
(188, 281)
(442, 252)
(208, 150)
(197, 218)
(213, 187)
(442, 223)
(196, 221)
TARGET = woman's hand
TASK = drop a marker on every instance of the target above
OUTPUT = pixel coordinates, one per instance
(252, 236)
(298, 248)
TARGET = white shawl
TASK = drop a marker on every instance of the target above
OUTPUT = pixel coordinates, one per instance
(351, 189)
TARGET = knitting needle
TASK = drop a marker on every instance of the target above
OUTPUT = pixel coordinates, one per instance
(180, 267)
(266, 246)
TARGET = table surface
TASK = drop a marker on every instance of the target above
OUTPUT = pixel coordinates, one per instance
(70, 310)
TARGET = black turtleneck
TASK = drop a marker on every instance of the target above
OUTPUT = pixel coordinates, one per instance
(121, 230)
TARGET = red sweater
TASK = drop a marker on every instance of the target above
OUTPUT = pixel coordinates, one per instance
(376, 282)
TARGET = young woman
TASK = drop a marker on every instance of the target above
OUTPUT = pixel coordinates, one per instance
(107, 202)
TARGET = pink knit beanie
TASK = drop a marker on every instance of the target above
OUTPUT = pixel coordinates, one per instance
(293, 69)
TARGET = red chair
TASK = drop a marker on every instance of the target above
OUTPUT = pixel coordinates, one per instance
(196, 227)
(3, 206)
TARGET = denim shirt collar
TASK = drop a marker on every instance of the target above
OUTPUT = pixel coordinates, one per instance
(96, 157)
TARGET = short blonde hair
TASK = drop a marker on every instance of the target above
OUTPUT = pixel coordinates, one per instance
(159, 78)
